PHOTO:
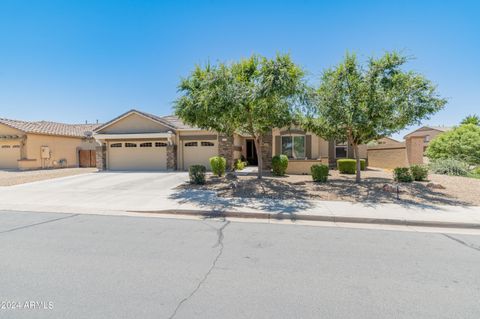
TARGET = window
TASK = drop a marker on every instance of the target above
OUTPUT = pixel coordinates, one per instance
(146, 144)
(130, 145)
(189, 144)
(116, 145)
(16, 146)
(426, 139)
(207, 144)
(160, 144)
(341, 151)
(5, 146)
(293, 146)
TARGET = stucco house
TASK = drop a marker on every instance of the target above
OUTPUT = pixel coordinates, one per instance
(137, 140)
(34, 145)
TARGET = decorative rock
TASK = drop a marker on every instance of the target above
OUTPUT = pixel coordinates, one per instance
(231, 176)
(391, 188)
(435, 186)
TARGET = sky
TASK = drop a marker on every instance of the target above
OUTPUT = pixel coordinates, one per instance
(76, 61)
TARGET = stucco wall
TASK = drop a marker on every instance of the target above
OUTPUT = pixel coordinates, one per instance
(134, 123)
(303, 166)
(415, 146)
(60, 147)
(387, 157)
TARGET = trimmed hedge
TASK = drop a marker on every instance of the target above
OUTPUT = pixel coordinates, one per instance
(402, 174)
(197, 174)
(419, 172)
(349, 165)
(319, 172)
(219, 165)
(279, 165)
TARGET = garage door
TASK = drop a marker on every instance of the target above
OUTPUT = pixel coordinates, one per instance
(198, 152)
(137, 155)
(9, 155)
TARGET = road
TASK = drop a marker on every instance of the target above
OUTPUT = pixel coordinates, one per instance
(92, 266)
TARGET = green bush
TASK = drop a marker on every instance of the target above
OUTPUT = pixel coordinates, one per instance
(219, 165)
(449, 166)
(476, 171)
(419, 172)
(402, 174)
(319, 173)
(279, 165)
(461, 143)
(238, 165)
(197, 174)
(349, 166)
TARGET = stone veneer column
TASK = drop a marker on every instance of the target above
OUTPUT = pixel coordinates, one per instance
(225, 149)
(267, 151)
(101, 157)
(172, 157)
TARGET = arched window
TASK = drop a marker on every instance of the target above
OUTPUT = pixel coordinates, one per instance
(148, 144)
(5, 146)
(189, 144)
(160, 144)
(16, 146)
(130, 145)
(116, 145)
(207, 144)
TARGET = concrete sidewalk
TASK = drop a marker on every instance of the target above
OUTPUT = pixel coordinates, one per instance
(117, 194)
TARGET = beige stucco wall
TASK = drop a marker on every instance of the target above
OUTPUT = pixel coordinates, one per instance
(415, 146)
(60, 147)
(387, 157)
(303, 166)
(134, 123)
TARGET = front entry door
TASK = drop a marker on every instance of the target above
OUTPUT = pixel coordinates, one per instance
(252, 158)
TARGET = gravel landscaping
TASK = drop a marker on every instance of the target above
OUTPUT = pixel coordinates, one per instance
(377, 187)
(9, 178)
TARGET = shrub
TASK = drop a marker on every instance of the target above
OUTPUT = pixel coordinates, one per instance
(476, 171)
(402, 174)
(449, 166)
(219, 165)
(197, 174)
(279, 165)
(319, 173)
(419, 172)
(461, 143)
(238, 165)
(349, 166)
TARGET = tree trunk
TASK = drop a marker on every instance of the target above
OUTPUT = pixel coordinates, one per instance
(357, 157)
(258, 147)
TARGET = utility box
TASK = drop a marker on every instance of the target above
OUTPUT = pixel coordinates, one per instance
(45, 152)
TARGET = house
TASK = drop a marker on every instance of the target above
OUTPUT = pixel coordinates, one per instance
(401, 154)
(137, 140)
(33, 145)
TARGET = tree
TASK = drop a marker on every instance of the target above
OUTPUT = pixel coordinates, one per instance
(471, 119)
(462, 143)
(359, 104)
(251, 96)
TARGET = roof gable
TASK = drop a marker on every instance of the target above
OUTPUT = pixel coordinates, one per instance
(135, 121)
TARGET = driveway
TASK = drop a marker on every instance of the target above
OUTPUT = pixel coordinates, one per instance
(94, 192)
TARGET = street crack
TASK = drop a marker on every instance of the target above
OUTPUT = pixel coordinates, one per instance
(462, 242)
(219, 243)
(36, 224)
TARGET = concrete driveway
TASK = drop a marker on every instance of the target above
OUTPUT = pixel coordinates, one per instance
(94, 192)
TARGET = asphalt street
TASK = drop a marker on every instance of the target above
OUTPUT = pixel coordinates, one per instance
(92, 266)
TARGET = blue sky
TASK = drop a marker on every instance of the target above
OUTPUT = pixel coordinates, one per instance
(73, 61)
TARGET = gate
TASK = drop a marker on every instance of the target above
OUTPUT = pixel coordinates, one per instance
(87, 158)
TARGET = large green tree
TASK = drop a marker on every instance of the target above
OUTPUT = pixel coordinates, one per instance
(360, 103)
(251, 96)
(471, 119)
(461, 143)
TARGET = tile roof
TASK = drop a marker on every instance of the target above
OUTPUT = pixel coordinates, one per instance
(176, 122)
(50, 128)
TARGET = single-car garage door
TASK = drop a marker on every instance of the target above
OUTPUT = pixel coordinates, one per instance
(9, 155)
(198, 153)
(137, 155)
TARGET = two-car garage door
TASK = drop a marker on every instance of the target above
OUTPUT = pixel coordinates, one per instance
(137, 155)
(9, 155)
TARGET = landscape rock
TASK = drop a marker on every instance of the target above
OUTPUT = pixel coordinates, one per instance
(231, 176)
(390, 188)
(435, 186)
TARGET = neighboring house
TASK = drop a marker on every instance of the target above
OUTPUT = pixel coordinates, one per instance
(34, 145)
(137, 140)
(409, 152)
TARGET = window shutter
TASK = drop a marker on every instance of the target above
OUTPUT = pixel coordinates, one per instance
(278, 145)
(308, 146)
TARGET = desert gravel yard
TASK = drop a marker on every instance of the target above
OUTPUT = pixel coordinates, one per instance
(9, 178)
(455, 191)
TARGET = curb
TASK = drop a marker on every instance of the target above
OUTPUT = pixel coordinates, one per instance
(322, 218)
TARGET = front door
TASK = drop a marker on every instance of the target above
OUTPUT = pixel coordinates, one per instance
(252, 158)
